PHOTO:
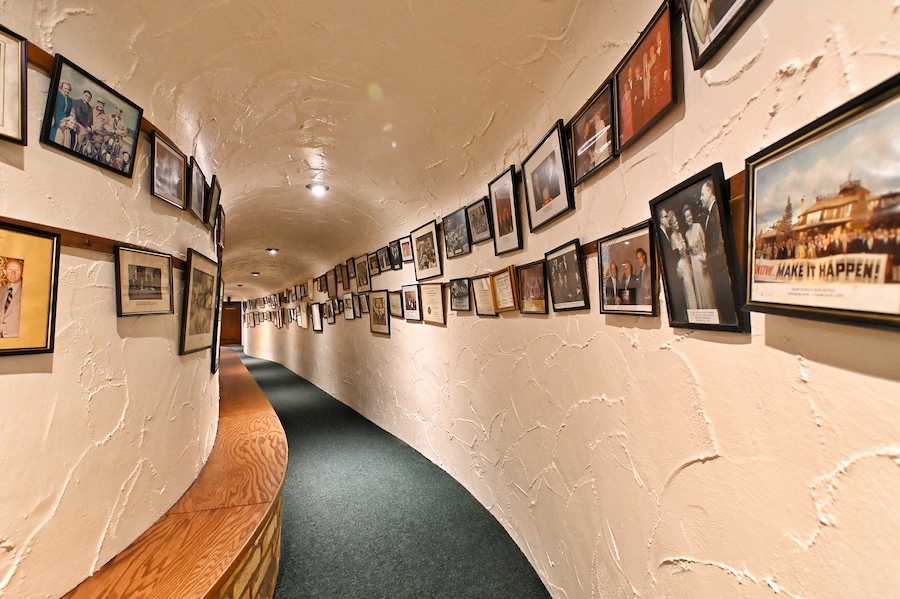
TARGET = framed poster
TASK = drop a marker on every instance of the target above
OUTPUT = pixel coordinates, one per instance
(460, 295)
(396, 258)
(406, 251)
(379, 313)
(710, 23)
(197, 194)
(456, 234)
(692, 222)
(504, 197)
(14, 79)
(484, 296)
(211, 209)
(824, 223)
(504, 290)
(426, 252)
(432, 300)
(395, 298)
(548, 186)
(27, 297)
(362, 274)
(349, 314)
(565, 269)
(412, 309)
(101, 127)
(628, 277)
(143, 282)
(532, 288)
(374, 267)
(592, 135)
(316, 316)
(199, 303)
(645, 80)
(479, 215)
(168, 171)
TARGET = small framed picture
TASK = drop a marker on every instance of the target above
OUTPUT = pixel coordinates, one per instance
(504, 290)
(592, 135)
(364, 303)
(710, 23)
(379, 313)
(479, 215)
(384, 259)
(395, 298)
(532, 284)
(426, 252)
(331, 283)
(351, 268)
(548, 186)
(411, 308)
(504, 196)
(374, 268)
(14, 80)
(345, 275)
(329, 312)
(197, 194)
(460, 295)
(406, 251)
(432, 303)
(339, 274)
(456, 234)
(396, 258)
(143, 282)
(316, 316)
(565, 269)
(211, 209)
(484, 296)
(628, 277)
(349, 314)
(645, 80)
(216, 353)
(199, 303)
(357, 308)
(220, 228)
(303, 315)
(692, 222)
(27, 296)
(362, 274)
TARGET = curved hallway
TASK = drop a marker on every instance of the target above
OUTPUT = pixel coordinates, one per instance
(366, 516)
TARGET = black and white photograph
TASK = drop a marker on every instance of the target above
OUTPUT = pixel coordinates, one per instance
(13, 87)
(479, 214)
(379, 312)
(396, 257)
(532, 288)
(565, 273)
(197, 190)
(711, 22)
(628, 277)
(426, 252)
(316, 317)
(548, 184)
(460, 295)
(199, 303)
(592, 136)
(456, 234)
(169, 172)
(364, 302)
(374, 268)
(504, 203)
(348, 312)
(143, 282)
(411, 308)
(384, 259)
(362, 273)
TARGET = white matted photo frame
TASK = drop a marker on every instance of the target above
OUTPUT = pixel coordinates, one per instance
(349, 313)
(504, 201)
(197, 312)
(548, 184)
(479, 214)
(168, 171)
(14, 81)
(412, 307)
(316, 316)
(426, 252)
(379, 312)
(628, 276)
(484, 296)
(303, 315)
(565, 273)
(143, 282)
(432, 303)
(710, 23)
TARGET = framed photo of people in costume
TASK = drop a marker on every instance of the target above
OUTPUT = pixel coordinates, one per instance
(628, 277)
(14, 81)
(88, 119)
(29, 279)
(504, 195)
(412, 309)
(824, 216)
(710, 23)
(197, 311)
(426, 252)
(645, 80)
(484, 296)
(432, 303)
(197, 193)
(692, 224)
(406, 251)
(460, 295)
(456, 234)
(168, 171)
(592, 135)
(143, 282)
(532, 288)
(395, 298)
(548, 184)
(379, 312)
(504, 289)
(479, 215)
(362, 273)
(565, 270)
(396, 257)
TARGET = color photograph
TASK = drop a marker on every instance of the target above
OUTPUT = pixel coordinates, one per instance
(505, 212)
(548, 186)
(592, 135)
(711, 22)
(533, 288)
(628, 277)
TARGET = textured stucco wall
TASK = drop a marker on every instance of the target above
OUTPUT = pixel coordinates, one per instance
(627, 458)
(100, 438)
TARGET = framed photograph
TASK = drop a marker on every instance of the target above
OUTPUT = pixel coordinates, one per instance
(645, 80)
(406, 251)
(216, 353)
(692, 222)
(374, 267)
(351, 268)
(548, 185)
(27, 297)
(364, 303)
(331, 283)
(316, 316)
(592, 135)
(362, 274)
(345, 275)
(532, 287)
(456, 234)
(197, 310)
(565, 269)
(379, 314)
(349, 314)
(426, 252)
(396, 258)
(328, 308)
(168, 171)
(100, 126)
(710, 23)
(303, 315)
(432, 303)
(338, 273)
(395, 298)
(143, 282)
(479, 215)
(14, 65)
(504, 195)
(384, 259)
(460, 295)
(357, 308)
(220, 227)
(628, 277)
(824, 223)
(484, 296)
(211, 209)
(412, 310)
(197, 194)
(504, 290)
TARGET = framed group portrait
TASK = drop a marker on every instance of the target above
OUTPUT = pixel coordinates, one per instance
(168, 171)
(592, 135)
(14, 81)
(384, 259)
(432, 303)
(548, 185)
(532, 288)
(710, 23)
(479, 215)
(396, 257)
(426, 252)
(628, 276)
(362, 273)
(379, 312)
(483, 292)
(143, 282)
(565, 271)
(460, 295)
(198, 307)
(504, 202)
(456, 234)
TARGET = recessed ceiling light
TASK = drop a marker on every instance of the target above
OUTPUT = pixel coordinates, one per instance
(272, 251)
(240, 284)
(255, 274)
(317, 188)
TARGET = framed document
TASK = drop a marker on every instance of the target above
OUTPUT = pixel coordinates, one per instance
(432, 299)
(484, 296)
(504, 290)
(14, 78)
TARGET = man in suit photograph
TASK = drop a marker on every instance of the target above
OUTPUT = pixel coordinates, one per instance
(11, 298)
(643, 277)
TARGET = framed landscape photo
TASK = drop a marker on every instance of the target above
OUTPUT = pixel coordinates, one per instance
(412, 309)
(316, 316)
(362, 274)
(426, 252)
(548, 186)
(197, 310)
(692, 224)
(88, 119)
(14, 79)
(532, 288)
(710, 23)
(29, 278)
(645, 80)
(395, 299)
(143, 282)
(628, 277)
(406, 251)
(379, 312)
(456, 234)
(374, 267)
(504, 196)
(565, 271)
(824, 222)
(168, 171)
(460, 295)
(479, 215)
(504, 290)
(197, 193)
(592, 135)
(484, 296)
(212, 204)
(432, 303)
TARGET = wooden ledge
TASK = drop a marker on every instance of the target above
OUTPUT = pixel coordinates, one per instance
(195, 547)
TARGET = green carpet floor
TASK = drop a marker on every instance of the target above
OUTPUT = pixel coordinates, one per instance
(367, 516)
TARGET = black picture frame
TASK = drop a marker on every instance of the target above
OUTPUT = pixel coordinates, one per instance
(592, 134)
(406, 251)
(349, 313)
(427, 252)
(503, 192)
(216, 353)
(197, 309)
(211, 208)
(316, 317)
(331, 283)
(548, 181)
(634, 288)
(457, 241)
(144, 283)
(412, 302)
(710, 23)
(379, 313)
(697, 254)
(168, 171)
(111, 145)
(197, 195)
(396, 257)
(384, 259)
(351, 268)
(431, 303)
(532, 287)
(566, 277)
(14, 87)
(220, 227)
(461, 295)
(363, 282)
(374, 268)
(480, 226)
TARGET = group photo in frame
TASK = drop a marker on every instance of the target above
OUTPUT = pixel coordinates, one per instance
(379, 312)
(457, 241)
(426, 252)
(29, 281)
(505, 289)
(143, 282)
(431, 298)
(565, 274)
(412, 308)
(824, 222)
(14, 82)
(710, 23)
(692, 224)
(168, 171)
(504, 195)
(349, 313)
(532, 285)
(88, 119)
(384, 259)
(197, 310)
(548, 184)
(592, 135)
(395, 299)
(396, 257)
(479, 215)
(483, 293)
(460, 295)
(362, 274)
(627, 267)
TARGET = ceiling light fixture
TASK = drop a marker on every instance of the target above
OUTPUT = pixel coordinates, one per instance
(317, 188)
(254, 273)
(272, 251)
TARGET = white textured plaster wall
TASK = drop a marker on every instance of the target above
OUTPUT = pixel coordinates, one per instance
(100, 438)
(626, 458)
